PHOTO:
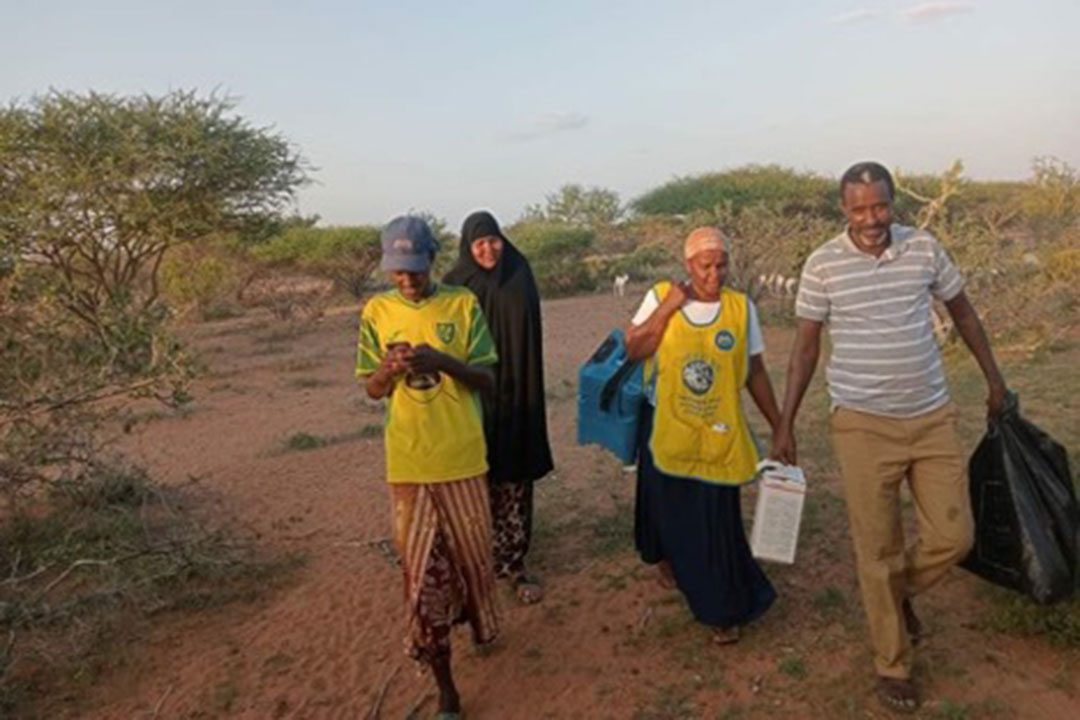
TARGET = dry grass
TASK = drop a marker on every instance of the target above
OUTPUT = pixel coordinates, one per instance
(88, 571)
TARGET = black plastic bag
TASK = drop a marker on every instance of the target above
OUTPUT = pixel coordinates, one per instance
(1027, 522)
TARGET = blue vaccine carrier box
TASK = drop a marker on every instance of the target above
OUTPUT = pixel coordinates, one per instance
(610, 393)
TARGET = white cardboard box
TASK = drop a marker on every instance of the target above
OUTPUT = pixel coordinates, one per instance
(778, 514)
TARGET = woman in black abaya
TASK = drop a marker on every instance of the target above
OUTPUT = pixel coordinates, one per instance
(515, 422)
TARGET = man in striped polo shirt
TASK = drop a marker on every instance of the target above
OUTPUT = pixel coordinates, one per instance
(892, 418)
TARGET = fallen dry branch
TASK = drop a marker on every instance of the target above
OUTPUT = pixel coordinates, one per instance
(376, 706)
(414, 710)
(82, 562)
(85, 562)
(46, 405)
(161, 702)
(29, 576)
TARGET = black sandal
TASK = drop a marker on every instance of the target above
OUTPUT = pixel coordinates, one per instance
(898, 694)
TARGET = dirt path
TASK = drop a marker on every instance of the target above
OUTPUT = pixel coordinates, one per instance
(607, 642)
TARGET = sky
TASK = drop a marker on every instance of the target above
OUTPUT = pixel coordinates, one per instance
(446, 107)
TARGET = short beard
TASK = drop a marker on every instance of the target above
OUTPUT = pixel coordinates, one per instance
(857, 237)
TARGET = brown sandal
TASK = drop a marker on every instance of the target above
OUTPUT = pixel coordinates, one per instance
(898, 694)
(726, 636)
(528, 589)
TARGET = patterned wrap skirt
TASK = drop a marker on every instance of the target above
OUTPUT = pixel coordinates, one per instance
(442, 532)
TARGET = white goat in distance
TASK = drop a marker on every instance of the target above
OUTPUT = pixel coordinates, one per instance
(779, 285)
(619, 288)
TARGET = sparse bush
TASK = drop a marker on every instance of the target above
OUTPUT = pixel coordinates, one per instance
(305, 441)
(1020, 268)
(371, 430)
(92, 567)
(95, 191)
(199, 280)
(556, 254)
(56, 369)
(345, 255)
(1015, 614)
(1052, 201)
(579, 206)
(81, 313)
(290, 297)
(1063, 266)
(793, 666)
(830, 602)
(765, 240)
(641, 232)
(646, 262)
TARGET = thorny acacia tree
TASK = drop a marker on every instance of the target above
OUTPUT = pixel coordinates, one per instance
(94, 189)
(576, 205)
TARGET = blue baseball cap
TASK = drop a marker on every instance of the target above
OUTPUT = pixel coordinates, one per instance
(407, 245)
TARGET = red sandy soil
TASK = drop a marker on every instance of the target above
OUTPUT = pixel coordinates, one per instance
(607, 642)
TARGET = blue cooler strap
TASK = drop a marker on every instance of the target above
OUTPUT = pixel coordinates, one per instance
(611, 387)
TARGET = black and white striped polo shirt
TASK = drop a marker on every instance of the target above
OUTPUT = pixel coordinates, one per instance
(884, 359)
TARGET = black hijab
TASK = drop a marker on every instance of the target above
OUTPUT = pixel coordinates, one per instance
(515, 421)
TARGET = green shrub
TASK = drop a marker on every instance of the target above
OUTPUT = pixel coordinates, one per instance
(646, 262)
(1015, 614)
(305, 441)
(1051, 202)
(793, 666)
(573, 204)
(557, 256)
(780, 188)
(347, 255)
(310, 246)
(197, 279)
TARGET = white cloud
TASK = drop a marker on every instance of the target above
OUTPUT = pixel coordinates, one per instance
(549, 124)
(854, 16)
(928, 12)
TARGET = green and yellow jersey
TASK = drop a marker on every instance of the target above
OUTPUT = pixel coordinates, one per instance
(434, 424)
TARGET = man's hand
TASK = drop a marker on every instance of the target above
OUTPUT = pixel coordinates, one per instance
(426, 360)
(783, 446)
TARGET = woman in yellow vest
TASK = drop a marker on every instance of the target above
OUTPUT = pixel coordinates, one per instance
(701, 342)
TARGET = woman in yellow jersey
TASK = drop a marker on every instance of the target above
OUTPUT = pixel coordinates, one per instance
(701, 342)
(427, 349)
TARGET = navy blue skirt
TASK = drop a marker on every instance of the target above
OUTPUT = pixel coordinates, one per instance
(697, 527)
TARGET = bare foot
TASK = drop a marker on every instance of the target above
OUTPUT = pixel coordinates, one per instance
(666, 577)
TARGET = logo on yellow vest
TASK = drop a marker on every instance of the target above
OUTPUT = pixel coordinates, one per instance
(724, 340)
(697, 376)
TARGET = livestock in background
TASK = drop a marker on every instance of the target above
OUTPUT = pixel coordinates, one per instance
(779, 285)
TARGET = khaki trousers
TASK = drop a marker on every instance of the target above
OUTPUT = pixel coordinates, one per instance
(876, 454)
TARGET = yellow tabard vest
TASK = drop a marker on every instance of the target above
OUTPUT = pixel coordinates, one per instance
(699, 430)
